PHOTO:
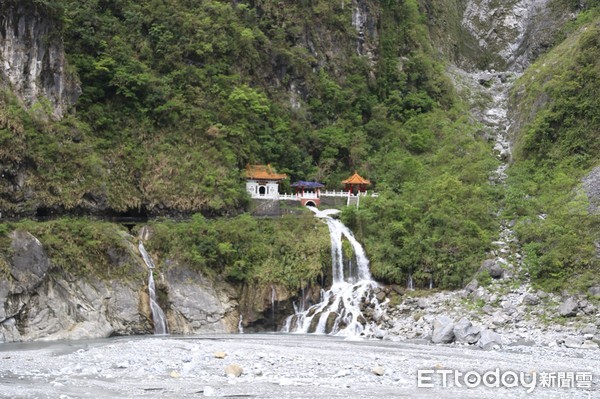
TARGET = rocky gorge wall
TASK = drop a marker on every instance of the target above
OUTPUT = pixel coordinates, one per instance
(34, 66)
(40, 300)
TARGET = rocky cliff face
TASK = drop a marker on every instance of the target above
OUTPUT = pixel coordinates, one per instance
(33, 64)
(41, 301)
(493, 34)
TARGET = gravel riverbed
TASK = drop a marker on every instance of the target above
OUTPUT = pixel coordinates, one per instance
(280, 366)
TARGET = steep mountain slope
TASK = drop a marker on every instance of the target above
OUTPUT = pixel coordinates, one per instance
(154, 107)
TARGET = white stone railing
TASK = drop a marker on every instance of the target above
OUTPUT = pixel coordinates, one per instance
(289, 197)
(312, 195)
(346, 194)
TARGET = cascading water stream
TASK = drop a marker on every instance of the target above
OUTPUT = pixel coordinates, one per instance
(158, 316)
(345, 309)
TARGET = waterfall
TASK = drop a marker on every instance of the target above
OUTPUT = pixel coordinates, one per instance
(409, 282)
(158, 316)
(350, 305)
(240, 325)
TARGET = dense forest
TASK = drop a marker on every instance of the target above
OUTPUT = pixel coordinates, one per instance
(178, 96)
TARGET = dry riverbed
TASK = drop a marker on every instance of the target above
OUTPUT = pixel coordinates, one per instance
(279, 366)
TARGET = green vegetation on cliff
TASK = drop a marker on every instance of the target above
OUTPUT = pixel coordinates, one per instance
(178, 96)
(557, 144)
(291, 251)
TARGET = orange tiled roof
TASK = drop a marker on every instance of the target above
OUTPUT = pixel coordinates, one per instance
(356, 179)
(263, 172)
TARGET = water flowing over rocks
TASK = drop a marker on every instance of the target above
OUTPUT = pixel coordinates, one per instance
(352, 305)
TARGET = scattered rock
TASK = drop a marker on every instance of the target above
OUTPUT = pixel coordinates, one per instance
(573, 342)
(233, 370)
(472, 286)
(397, 289)
(380, 296)
(531, 299)
(220, 355)
(174, 374)
(465, 331)
(422, 303)
(489, 340)
(443, 330)
(379, 333)
(499, 319)
(589, 329)
(569, 307)
(209, 391)
(589, 345)
(378, 370)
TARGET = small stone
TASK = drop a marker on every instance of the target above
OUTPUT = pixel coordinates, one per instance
(531, 299)
(220, 355)
(233, 370)
(378, 370)
(174, 374)
(209, 391)
(380, 296)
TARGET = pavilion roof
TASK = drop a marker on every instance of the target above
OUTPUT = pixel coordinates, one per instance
(307, 184)
(356, 179)
(263, 172)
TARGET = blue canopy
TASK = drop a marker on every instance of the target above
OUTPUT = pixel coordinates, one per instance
(307, 184)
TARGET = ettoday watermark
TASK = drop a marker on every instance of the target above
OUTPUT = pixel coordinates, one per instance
(508, 379)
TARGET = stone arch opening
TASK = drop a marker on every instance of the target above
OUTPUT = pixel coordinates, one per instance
(310, 203)
(262, 190)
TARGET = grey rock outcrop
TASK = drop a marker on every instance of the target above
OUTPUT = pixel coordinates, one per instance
(591, 186)
(198, 304)
(443, 330)
(33, 65)
(40, 301)
(569, 307)
(466, 332)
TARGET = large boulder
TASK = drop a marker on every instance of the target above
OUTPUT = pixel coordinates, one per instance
(493, 268)
(466, 332)
(489, 340)
(569, 307)
(443, 330)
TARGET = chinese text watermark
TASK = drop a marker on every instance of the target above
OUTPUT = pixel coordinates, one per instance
(509, 379)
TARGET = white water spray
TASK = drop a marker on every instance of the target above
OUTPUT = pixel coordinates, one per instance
(158, 316)
(240, 325)
(346, 306)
